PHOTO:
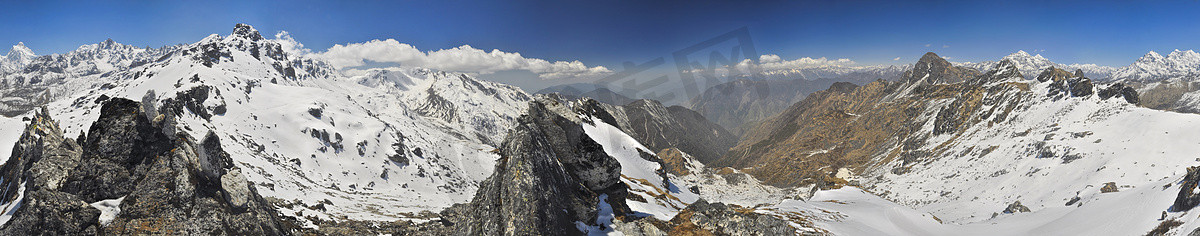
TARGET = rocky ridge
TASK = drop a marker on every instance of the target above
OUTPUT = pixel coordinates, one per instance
(880, 123)
(140, 176)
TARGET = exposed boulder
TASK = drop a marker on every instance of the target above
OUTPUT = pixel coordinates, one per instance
(1109, 187)
(1015, 207)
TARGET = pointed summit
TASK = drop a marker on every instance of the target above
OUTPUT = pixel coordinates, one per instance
(1150, 57)
(1020, 53)
(932, 68)
(247, 32)
(108, 44)
(20, 53)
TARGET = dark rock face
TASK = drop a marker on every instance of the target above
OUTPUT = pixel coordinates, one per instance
(1065, 84)
(1186, 199)
(1080, 87)
(703, 218)
(1120, 90)
(932, 69)
(40, 162)
(169, 183)
(193, 100)
(121, 142)
(246, 31)
(550, 176)
(1053, 74)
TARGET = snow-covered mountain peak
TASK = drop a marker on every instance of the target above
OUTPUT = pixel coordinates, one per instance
(1188, 57)
(1154, 67)
(247, 32)
(1020, 53)
(1031, 65)
(1007, 64)
(20, 53)
(1150, 57)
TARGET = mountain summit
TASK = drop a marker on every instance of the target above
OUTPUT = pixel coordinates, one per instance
(247, 32)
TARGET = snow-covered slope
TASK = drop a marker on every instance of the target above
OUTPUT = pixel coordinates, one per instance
(664, 197)
(381, 146)
(1061, 157)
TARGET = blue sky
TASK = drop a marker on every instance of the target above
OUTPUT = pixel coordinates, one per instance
(607, 33)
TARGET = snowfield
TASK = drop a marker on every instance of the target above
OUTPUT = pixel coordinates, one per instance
(324, 145)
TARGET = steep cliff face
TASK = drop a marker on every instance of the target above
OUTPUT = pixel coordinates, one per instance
(139, 176)
(550, 176)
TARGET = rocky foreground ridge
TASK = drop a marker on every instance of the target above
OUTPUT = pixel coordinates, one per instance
(132, 173)
(553, 179)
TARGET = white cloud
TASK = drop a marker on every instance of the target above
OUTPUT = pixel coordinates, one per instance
(896, 59)
(928, 45)
(461, 59)
(945, 46)
(774, 62)
(290, 45)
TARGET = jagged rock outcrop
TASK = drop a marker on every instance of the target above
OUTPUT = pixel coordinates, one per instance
(40, 163)
(550, 176)
(661, 127)
(1015, 207)
(553, 179)
(1187, 197)
(1120, 90)
(163, 183)
(703, 218)
(1053, 74)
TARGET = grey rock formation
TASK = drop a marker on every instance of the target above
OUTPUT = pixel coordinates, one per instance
(169, 183)
(703, 218)
(549, 177)
(1187, 197)
(1120, 90)
(1015, 207)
